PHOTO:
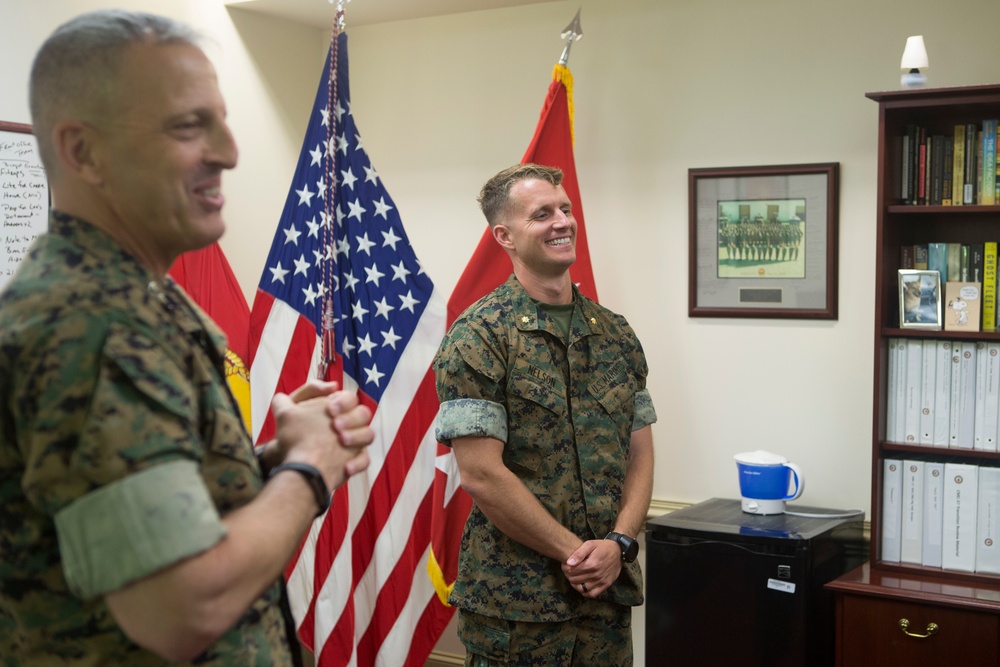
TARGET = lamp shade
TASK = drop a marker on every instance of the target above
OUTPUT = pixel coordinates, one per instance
(915, 54)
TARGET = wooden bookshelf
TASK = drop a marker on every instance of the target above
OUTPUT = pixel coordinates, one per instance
(950, 617)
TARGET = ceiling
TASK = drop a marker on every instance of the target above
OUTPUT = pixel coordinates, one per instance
(320, 13)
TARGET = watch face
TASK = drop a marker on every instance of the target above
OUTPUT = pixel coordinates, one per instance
(630, 548)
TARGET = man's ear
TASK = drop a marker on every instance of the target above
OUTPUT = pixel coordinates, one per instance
(79, 150)
(502, 236)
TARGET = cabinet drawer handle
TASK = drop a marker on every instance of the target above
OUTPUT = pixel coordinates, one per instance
(905, 623)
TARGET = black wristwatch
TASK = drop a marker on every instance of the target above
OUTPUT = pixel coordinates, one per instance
(630, 548)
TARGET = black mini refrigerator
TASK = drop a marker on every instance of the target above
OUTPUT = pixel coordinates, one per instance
(724, 587)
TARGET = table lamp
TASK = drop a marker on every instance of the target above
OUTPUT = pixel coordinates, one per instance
(914, 58)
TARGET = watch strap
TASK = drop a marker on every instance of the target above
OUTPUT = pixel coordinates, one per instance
(315, 479)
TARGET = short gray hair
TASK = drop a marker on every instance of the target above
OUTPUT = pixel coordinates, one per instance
(76, 70)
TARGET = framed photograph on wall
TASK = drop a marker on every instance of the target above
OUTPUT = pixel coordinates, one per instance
(762, 241)
(919, 299)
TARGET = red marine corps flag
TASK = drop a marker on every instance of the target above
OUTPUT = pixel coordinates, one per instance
(208, 279)
(552, 146)
(343, 296)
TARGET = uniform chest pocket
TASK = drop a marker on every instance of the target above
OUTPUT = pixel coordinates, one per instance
(542, 390)
(614, 388)
(536, 409)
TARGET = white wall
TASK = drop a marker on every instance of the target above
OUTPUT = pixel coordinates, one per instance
(661, 87)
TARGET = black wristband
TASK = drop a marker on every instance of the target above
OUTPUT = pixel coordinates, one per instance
(314, 478)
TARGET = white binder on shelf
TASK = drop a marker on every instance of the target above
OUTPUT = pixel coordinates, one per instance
(991, 401)
(930, 555)
(928, 380)
(956, 387)
(901, 353)
(892, 509)
(911, 405)
(942, 398)
(912, 521)
(988, 521)
(963, 405)
(961, 498)
(891, 434)
(979, 416)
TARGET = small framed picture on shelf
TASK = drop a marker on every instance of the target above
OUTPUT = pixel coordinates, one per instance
(919, 299)
(963, 306)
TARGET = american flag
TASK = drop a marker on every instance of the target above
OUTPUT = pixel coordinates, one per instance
(358, 585)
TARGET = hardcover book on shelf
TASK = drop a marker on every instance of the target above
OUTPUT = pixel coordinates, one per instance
(988, 521)
(976, 263)
(989, 286)
(937, 260)
(922, 167)
(946, 197)
(977, 182)
(987, 194)
(961, 497)
(930, 554)
(892, 509)
(920, 256)
(911, 537)
(904, 178)
(969, 175)
(954, 256)
(996, 180)
(928, 167)
(958, 165)
(906, 257)
(942, 385)
(963, 305)
(937, 168)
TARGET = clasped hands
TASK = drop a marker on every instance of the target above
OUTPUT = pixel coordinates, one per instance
(593, 567)
(325, 427)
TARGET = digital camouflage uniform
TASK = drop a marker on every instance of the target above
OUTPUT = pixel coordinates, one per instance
(109, 379)
(565, 414)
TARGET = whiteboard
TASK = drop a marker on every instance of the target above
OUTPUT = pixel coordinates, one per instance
(24, 196)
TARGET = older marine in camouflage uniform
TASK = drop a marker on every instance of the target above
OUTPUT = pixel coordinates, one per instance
(136, 528)
(118, 378)
(563, 388)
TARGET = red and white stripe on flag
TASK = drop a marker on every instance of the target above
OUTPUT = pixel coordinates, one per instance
(358, 584)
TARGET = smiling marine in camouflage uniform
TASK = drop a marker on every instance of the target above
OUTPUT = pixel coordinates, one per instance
(544, 403)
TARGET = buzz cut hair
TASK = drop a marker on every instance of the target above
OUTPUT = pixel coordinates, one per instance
(494, 198)
(76, 70)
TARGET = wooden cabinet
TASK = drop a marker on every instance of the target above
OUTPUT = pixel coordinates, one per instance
(964, 608)
(888, 618)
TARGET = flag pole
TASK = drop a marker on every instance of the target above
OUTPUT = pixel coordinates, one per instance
(571, 33)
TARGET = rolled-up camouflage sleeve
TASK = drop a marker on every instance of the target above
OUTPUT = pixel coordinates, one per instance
(469, 377)
(645, 413)
(466, 416)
